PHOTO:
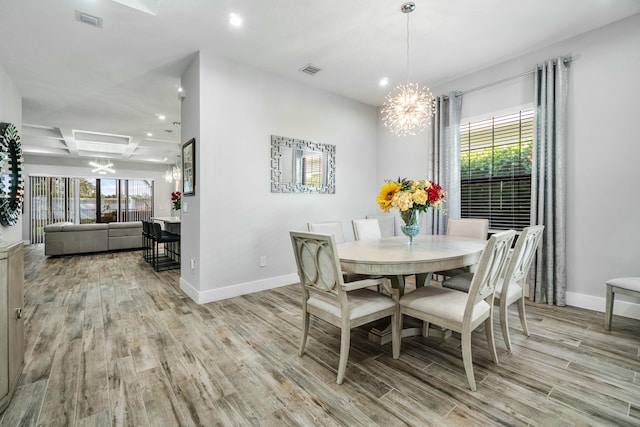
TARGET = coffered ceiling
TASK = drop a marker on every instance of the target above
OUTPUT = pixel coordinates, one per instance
(101, 89)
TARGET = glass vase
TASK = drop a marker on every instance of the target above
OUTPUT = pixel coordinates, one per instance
(411, 226)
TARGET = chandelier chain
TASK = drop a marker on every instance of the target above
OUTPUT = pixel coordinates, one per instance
(407, 73)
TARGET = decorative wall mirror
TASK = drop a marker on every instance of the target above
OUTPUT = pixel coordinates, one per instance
(12, 194)
(299, 166)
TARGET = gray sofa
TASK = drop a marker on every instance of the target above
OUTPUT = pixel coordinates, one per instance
(66, 238)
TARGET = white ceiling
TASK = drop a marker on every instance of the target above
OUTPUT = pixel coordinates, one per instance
(94, 93)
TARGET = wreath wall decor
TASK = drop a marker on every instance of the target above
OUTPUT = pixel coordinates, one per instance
(12, 184)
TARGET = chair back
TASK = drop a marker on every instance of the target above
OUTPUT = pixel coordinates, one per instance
(333, 227)
(156, 230)
(522, 256)
(476, 228)
(387, 224)
(317, 261)
(490, 269)
(366, 229)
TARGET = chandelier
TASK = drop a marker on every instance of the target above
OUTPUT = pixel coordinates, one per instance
(173, 174)
(102, 167)
(407, 108)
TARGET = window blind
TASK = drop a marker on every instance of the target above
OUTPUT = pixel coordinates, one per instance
(53, 199)
(495, 170)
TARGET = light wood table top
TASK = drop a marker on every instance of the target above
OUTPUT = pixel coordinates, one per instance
(392, 256)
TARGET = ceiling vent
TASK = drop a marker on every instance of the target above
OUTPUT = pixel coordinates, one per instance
(310, 69)
(92, 20)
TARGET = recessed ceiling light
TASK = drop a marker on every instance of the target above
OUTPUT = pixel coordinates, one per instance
(235, 20)
(161, 117)
(149, 134)
(384, 81)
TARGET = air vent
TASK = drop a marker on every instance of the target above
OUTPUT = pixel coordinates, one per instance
(310, 69)
(86, 18)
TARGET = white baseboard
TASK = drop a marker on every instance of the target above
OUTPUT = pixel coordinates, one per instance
(620, 307)
(590, 302)
(210, 295)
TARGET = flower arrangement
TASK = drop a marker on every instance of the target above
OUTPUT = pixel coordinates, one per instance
(410, 197)
(176, 197)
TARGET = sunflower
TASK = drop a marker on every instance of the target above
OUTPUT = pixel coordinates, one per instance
(386, 195)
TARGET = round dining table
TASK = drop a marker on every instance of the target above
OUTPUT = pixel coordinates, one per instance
(395, 258)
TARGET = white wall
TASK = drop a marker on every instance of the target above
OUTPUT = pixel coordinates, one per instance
(190, 247)
(240, 219)
(10, 112)
(603, 230)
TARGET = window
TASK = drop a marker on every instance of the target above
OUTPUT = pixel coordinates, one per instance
(495, 170)
(98, 200)
(312, 169)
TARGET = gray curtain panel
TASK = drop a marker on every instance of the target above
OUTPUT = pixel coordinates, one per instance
(443, 158)
(548, 182)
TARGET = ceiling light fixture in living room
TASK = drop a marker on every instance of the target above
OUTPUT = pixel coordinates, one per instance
(102, 168)
(408, 108)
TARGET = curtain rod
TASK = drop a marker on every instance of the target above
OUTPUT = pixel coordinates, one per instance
(506, 79)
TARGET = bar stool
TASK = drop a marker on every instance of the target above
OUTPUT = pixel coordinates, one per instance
(162, 236)
(147, 240)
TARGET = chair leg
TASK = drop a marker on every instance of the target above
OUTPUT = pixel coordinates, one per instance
(396, 332)
(305, 333)
(488, 328)
(466, 357)
(345, 342)
(504, 324)
(523, 317)
(425, 329)
(609, 308)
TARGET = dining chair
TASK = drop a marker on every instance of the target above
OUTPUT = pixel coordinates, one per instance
(460, 311)
(387, 224)
(328, 227)
(366, 229)
(334, 228)
(326, 296)
(510, 288)
(475, 228)
(629, 286)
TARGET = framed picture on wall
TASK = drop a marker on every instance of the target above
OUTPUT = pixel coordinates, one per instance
(189, 168)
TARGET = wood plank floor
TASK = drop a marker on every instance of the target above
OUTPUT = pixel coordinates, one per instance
(111, 342)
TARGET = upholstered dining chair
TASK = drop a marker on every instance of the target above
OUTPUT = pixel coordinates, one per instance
(366, 229)
(329, 227)
(334, 228)
(510, 288)
(460, 311)
(387, 224)
(629, 286)
(475, 228)
(326, 296)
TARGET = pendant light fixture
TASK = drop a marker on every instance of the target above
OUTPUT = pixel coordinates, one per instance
(408, 108)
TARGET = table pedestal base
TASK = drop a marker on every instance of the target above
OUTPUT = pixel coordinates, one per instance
(411, 328)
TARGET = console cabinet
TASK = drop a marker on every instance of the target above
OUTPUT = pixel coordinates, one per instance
(11, 319)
